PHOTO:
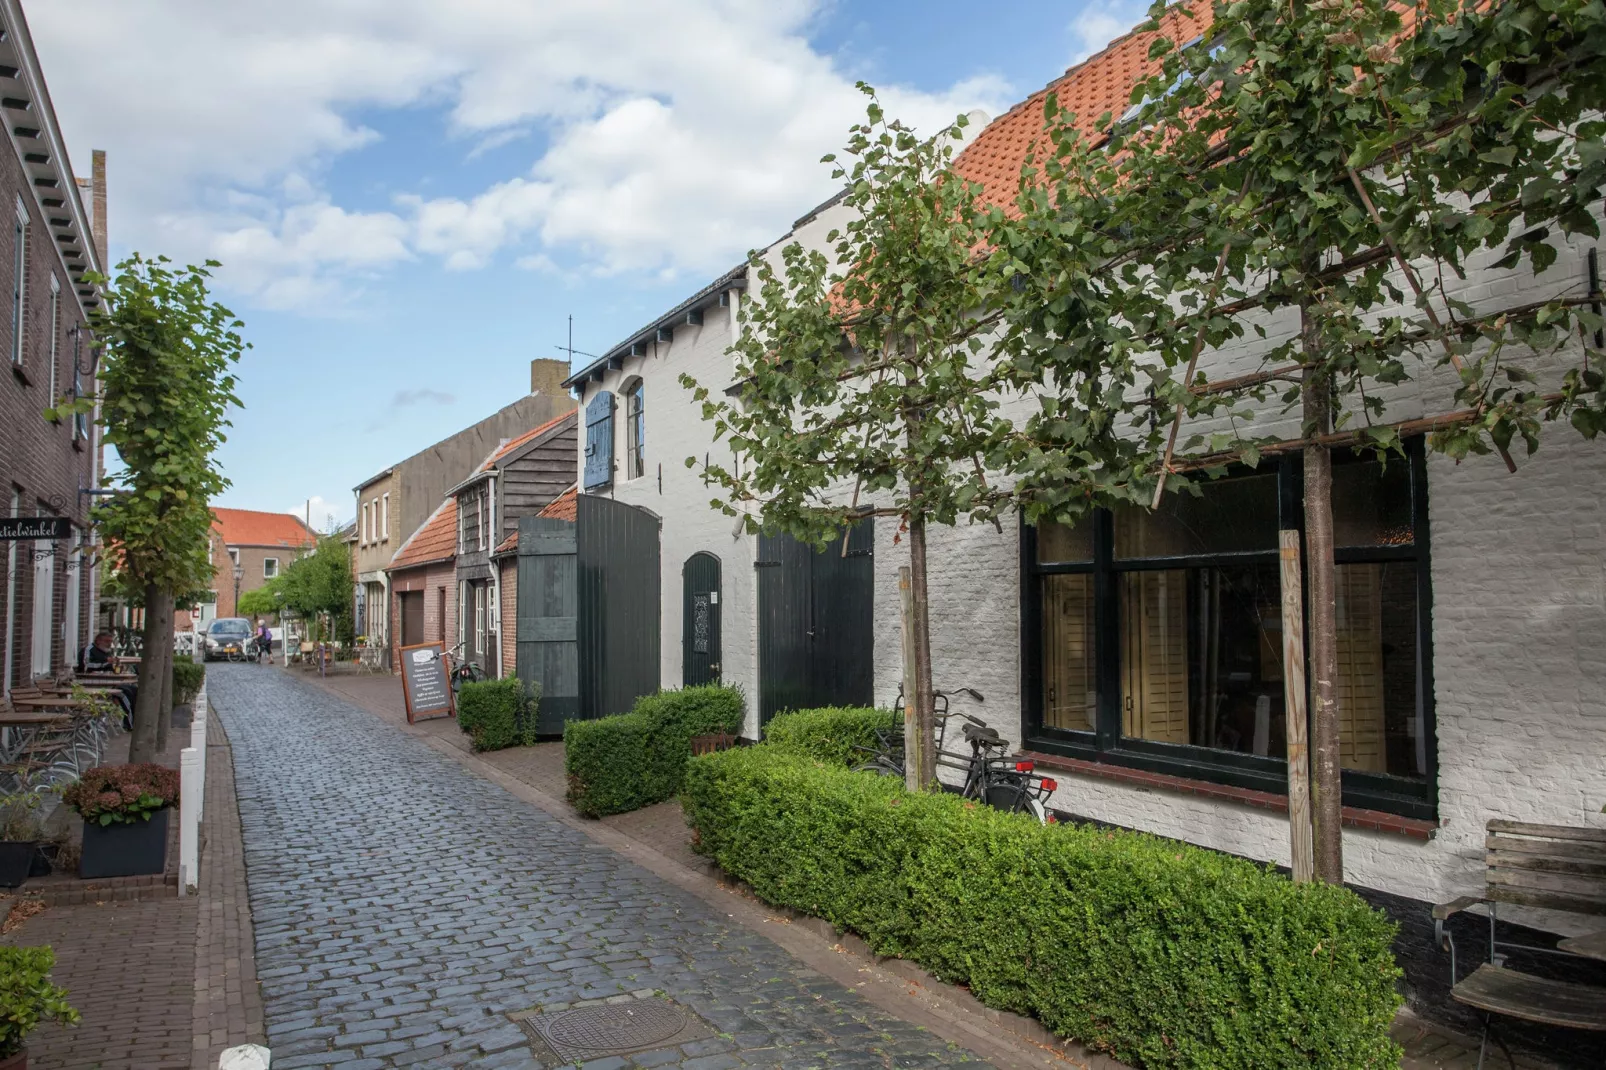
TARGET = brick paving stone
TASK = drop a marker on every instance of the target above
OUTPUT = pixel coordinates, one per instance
(364, 846)
(129, 969)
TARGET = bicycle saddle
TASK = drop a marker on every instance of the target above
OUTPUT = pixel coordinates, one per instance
(982, 733)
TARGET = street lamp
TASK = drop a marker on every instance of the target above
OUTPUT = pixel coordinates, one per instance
(239, 574)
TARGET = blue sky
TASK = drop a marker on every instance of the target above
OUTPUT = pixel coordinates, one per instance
(409, 198)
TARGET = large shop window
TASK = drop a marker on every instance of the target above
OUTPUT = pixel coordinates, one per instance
(1154, 640)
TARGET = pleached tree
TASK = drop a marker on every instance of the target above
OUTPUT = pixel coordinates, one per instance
(166, 379)
(1338, 160)
(864, 389)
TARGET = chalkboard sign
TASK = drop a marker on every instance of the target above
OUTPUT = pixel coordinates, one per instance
(426, 684)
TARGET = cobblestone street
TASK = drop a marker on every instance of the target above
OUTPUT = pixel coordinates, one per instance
(407, 912)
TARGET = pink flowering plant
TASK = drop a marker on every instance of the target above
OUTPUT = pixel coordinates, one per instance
(123, 794)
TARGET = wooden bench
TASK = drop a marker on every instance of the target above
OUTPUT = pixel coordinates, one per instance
(1557, 867)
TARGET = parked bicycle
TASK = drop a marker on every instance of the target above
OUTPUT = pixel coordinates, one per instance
(992, 778)
(461, 672)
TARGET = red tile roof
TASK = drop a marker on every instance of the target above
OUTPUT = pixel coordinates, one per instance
(559, 508)
(435, 540)
(1101, 83)
(563, 506)
(247, 527)
(518, 440)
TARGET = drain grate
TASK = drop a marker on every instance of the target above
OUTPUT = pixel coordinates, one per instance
(617, 1026)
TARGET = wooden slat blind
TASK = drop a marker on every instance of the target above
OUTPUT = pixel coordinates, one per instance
(1360, 667)
(1154, 655)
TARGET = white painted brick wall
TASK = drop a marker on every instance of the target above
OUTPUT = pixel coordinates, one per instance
(1519, 637)
(675, 431)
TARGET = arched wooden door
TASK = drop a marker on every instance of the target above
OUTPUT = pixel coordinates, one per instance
(700, 646)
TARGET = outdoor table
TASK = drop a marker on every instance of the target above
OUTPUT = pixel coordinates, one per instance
(1592, 946)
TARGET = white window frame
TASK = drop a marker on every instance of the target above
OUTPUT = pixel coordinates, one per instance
(55, 336)
(266, 561)
(384, 517)
(19, 285)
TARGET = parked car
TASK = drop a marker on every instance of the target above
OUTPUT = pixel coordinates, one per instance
(227, 637)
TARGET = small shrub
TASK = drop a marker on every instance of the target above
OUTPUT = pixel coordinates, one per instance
(635, 759)
(498, 713)
(27, 995)
(123, 794)
(832, 734)
(1163, 954)
(187, 677)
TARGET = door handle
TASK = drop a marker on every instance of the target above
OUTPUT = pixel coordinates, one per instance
(713, 666)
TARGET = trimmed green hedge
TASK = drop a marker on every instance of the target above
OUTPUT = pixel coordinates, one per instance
(832, 733)
(187, 677)
(498, 713)
(635, 759)
(1163, 954)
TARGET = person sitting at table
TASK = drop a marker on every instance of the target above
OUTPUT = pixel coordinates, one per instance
(97, 657)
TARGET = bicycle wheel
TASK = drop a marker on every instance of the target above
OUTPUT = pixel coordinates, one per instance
(1014, 798)
(879, 769)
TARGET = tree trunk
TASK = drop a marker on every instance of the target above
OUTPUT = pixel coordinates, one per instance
(1326, 791)
(164, 723)
(920, 749)
(143, 747)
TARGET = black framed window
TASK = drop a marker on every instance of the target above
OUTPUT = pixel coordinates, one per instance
(1154, 640)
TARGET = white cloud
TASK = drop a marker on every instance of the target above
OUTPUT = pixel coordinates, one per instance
(675, 136)
(325, 514)
(1100, 23)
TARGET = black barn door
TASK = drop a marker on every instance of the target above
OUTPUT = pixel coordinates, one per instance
(547, 647)
(700, 648)
(816, 616)
(620, 599)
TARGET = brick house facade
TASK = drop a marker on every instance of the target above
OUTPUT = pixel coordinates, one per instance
(261, 544)
(53, 237)
(422, 606)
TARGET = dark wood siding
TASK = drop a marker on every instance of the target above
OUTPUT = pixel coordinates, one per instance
(531, 478)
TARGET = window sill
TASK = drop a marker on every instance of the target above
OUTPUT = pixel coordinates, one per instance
(1354, 817)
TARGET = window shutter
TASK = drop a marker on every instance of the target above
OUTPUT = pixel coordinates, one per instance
(599, 441)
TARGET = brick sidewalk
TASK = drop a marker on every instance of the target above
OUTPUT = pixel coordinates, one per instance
(162, 983)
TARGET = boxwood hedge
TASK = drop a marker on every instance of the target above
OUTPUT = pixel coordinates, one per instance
(498, 713)
(1163, 954)
(832, 734)
(634, 759)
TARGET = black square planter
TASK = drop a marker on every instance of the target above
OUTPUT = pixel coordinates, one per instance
(119, 850)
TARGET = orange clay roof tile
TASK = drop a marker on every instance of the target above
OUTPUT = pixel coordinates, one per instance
(435, 541)
(563, 506)
(247, 527)
(1101, 83)
(518, 440)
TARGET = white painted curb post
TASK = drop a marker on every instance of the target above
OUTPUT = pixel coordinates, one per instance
(198, 743)
(189, 825)
(246, 1057)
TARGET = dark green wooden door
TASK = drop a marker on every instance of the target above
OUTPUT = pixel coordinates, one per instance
(548, 651)
(699, 638)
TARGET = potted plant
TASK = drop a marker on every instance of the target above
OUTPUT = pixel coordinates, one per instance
(21, 830)
(27, 996)
(124, 808)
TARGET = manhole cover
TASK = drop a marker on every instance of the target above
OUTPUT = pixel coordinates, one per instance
(616, 1026)
(595, 1028)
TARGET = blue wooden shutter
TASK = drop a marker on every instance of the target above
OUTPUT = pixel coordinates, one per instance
(599, 441)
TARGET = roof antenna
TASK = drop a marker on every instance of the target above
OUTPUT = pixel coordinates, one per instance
(569, 349)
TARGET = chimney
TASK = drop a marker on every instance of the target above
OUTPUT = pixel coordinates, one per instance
(97, 177)
(546, 377)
